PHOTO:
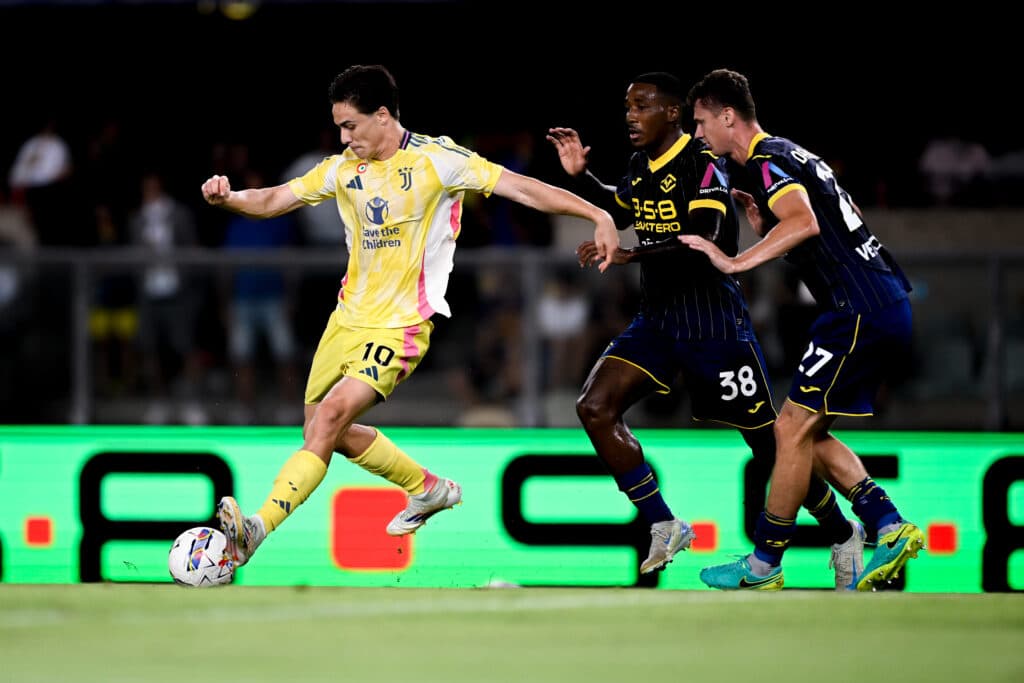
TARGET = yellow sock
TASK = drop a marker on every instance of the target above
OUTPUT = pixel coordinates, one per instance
(387, 460)
(298, 477)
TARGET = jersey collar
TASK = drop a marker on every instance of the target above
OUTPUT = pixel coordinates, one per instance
(753, 143)
(654, 164)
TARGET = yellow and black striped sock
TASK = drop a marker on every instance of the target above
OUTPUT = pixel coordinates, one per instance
(299, 476)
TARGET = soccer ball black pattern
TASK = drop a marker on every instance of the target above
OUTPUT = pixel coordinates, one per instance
(198, 559)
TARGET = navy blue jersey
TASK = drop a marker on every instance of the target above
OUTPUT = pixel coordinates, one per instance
(681, 284)
(845, 267)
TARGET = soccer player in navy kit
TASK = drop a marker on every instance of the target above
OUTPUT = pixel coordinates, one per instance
(692, 320)
(799, 209)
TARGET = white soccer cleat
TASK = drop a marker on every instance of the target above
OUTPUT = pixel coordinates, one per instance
(848, 558)
(244, 533)
(421, 507)
(667, 539)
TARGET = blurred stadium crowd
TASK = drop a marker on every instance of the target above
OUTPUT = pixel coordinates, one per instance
(99, 189)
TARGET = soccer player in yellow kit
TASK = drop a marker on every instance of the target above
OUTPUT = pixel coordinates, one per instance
(400, 196)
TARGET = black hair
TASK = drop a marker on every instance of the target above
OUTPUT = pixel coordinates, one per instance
(367, 88)
(724, 88)
(666, 83)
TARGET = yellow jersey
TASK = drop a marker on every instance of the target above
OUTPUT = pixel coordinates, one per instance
(402, 216)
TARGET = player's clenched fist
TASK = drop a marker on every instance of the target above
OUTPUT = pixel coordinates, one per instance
(216, 189)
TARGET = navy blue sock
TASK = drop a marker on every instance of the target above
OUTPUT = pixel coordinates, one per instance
(872, 505)
(642, 489)
(821, 503)
(771, 537)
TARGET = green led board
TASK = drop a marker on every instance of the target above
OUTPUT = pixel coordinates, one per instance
(103, 504)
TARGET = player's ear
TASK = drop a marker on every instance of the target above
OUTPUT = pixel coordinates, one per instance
(382, 115)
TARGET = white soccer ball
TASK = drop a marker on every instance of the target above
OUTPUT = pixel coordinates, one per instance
(198, 558)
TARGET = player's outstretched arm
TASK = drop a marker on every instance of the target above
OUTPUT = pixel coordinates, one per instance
(705, 222)
(550, 199)
(571, 151)
(573, 156)
(586, 254)
(796, 224)
(262, 202)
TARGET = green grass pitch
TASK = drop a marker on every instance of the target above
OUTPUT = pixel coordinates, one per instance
(161, 632)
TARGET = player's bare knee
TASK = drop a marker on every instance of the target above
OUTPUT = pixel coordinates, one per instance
(354, 440)
(793, 429)
(332, 418)
(593, 411)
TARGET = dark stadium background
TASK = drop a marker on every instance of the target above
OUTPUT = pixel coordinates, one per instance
(180, 74)
(864, 90)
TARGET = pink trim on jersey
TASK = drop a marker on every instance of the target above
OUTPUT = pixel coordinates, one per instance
(766, 175)
(408, 349)
(455, 219)
(708, 174)
(423, 308)
(341, 292)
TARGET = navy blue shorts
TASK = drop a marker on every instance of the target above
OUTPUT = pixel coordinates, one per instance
(848, 359)
(726, 380)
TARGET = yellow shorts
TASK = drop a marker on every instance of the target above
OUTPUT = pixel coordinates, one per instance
(382, 358)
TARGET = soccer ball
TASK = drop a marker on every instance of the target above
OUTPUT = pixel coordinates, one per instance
(198, 558)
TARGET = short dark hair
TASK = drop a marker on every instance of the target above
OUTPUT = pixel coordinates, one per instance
(367, 88)
(724, 88)
(666, 83)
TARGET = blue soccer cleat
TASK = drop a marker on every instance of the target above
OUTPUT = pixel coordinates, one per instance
(738, 576)
(893, 551)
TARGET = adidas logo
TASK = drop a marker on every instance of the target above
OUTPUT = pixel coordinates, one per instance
(355, 184)
(283, 504)
(370, 372)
